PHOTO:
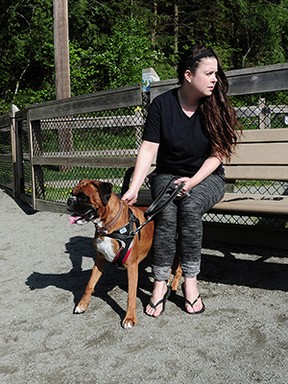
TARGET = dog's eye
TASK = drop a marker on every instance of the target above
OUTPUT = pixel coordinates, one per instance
(82, 198)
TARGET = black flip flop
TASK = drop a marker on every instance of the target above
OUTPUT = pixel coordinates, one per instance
(162, 301)
(192, 304)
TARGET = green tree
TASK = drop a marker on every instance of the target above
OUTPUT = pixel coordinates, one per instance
(129, 50)
(259, 33)
(27, 54)
(111, 41)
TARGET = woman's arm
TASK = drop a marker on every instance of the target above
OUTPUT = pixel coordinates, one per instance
(145, 158)
(208, 167)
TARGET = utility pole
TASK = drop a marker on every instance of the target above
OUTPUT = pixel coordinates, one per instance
(62, 69)
(61, 49)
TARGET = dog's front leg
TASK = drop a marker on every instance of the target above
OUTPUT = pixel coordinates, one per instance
(96, 273)
(176, 272)
(130, 319)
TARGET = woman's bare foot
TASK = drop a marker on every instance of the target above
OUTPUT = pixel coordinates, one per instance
(193, 301)
(158, 299)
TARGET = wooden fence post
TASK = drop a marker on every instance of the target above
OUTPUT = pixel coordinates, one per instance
(14, 109)
(18, 166)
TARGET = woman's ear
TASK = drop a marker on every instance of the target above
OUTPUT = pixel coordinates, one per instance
(188, 75)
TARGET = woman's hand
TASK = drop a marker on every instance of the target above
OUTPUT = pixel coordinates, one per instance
(130, 197)
(207, 168)
(188, 184)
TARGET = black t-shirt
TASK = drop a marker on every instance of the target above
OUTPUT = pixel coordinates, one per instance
(183, 143)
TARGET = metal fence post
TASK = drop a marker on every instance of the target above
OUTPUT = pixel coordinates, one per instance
(145, 94)
(264, 116)
(148, 75)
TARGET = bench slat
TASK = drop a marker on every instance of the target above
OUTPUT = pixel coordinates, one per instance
(261, 172)
(259, 154)
(267, 135)
(233, 203)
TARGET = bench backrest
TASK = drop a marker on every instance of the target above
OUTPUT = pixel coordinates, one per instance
(261, 155)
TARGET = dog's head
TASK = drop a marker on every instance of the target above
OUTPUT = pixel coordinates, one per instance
(89, 199)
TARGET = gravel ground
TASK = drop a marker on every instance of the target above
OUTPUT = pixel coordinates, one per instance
(45, 264)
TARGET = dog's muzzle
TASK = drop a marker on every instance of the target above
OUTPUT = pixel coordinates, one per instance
(83, 211)
(72, 201)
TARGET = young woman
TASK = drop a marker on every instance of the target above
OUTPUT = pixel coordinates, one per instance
(190, 129)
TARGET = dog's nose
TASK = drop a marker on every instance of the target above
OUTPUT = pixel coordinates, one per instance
(71, 200)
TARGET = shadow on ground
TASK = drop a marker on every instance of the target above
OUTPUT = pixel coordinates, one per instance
(75, 279)
(227, 266)
(246, 266)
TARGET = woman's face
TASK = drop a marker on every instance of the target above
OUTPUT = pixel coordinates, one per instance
(203, 80)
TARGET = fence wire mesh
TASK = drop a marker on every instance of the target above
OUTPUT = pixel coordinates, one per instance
(266, 111)
(6, 170)
(104, 141)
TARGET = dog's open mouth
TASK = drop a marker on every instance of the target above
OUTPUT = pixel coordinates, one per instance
(75, 219)
(80, 214)
(82, 218)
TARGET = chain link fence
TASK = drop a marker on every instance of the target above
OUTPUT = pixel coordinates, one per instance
(6, 169)
(103, 143)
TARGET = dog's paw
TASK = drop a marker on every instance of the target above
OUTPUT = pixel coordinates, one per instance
(128, 323)
(78, 310)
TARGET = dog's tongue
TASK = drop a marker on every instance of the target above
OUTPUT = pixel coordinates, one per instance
(73, 219)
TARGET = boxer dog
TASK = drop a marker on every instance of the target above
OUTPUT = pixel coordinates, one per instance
(94, 201)
(114, 241)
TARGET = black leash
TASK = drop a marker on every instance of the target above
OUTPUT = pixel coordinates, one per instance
(155, 207)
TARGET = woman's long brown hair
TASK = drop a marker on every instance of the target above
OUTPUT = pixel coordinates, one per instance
(217, 115)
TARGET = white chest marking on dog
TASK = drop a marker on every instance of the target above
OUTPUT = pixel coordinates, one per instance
(105, 245)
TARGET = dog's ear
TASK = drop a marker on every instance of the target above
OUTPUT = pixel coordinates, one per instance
(105, 190)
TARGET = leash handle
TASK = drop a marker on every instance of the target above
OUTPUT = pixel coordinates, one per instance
(154, 208)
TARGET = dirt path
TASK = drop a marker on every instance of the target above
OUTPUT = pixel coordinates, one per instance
(45, 263)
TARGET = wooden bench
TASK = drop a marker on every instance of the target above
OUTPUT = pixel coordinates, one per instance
(262, 155)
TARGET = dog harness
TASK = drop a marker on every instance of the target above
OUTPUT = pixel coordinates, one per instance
(124, 237)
